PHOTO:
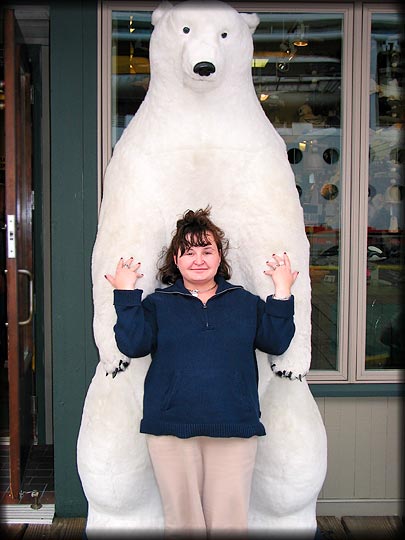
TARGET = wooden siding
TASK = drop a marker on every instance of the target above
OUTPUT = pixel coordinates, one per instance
(74, 157)
(365, 448)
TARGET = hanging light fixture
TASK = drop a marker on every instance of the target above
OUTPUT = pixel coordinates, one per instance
(300, 40)
(131, 24)
(288, 50)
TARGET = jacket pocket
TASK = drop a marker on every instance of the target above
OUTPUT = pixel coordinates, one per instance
(170, 392)
(219, 396)
(250, 401)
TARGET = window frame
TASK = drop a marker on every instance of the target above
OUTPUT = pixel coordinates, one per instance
(362, 63)
(354, 168)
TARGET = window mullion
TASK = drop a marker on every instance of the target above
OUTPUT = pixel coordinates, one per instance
(348, 139)
(358, 262)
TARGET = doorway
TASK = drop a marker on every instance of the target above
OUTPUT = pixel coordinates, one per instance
(26, 410)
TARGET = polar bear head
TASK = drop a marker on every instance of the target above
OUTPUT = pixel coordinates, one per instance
(201, 45)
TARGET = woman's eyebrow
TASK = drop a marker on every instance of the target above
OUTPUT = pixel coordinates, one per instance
(201, 245)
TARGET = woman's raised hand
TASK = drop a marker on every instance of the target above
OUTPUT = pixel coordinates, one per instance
(281, 274)
(126, 275)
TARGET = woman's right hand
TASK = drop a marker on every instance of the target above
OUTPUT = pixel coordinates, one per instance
(126, 275)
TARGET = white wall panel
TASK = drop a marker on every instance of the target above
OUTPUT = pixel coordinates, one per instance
(341, 430)
(365, 450)
(395, 448)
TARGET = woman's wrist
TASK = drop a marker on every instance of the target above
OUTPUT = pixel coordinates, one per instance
(282, 295)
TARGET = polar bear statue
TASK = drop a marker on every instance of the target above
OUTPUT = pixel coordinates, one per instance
(200, 137)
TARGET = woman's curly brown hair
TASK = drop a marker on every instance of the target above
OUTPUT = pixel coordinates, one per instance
(192, 230)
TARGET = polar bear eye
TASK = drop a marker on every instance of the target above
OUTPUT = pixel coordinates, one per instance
(224, 35)
(186, 29)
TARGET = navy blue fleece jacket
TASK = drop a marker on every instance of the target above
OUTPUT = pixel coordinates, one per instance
(203, 377)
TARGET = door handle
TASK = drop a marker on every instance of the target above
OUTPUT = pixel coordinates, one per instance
(31, 282)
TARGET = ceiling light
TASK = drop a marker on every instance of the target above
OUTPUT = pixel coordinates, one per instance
(300, 40)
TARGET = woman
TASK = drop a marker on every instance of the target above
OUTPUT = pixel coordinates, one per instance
(201, 409)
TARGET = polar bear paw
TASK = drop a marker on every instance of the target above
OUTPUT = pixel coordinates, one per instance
(115, 365)
(122, 366)
(287, 373)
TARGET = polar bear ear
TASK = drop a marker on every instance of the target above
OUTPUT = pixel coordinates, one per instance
(158, 13)
(252, 20)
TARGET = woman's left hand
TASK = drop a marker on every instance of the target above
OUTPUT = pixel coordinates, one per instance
(282, 275)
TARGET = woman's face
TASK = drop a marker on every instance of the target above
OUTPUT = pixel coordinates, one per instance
(199, 264)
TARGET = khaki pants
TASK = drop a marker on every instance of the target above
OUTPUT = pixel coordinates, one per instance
(204, 482)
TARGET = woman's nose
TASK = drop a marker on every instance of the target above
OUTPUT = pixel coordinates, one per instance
(199, 258)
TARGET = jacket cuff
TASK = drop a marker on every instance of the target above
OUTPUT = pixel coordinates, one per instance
(127, 298)
(280, 308)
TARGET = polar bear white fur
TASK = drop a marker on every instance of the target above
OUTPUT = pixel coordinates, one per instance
(201, 139)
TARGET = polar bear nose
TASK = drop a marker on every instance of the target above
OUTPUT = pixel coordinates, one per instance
(204, 69)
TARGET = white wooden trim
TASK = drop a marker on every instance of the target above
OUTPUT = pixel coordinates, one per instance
(23, 513)
(363, 151)
(362, 53)
(346, 183)
(105, 73)
(359, 507)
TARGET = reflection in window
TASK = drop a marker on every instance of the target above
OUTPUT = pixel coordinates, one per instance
(297, 73)
(294, 155)
(385, 338)
(130, 69)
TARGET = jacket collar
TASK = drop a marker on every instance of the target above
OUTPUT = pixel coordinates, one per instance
(178, 287)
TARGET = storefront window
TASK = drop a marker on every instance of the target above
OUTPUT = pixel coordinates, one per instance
(305, 79)
(385, 337)
(297, 71)
(130, 70)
